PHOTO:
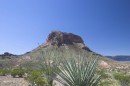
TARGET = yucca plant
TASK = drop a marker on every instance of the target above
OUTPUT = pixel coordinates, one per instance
(79, 71)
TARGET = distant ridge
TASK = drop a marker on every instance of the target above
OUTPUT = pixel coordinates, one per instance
(120, 57)
(8, 55)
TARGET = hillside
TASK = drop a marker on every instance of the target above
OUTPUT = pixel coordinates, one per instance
(64, 45)
(8, 60)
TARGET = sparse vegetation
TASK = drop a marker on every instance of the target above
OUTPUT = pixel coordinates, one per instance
(37, 78)
(17, 73)
(123, 79)
(105, 83)
(4, 71)
(70, 69)
(82, 70)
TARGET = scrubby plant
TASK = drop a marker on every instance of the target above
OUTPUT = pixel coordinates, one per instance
(17, 72)
(105, 83)
(42, 81)
(37, 78)
(4, 72)
(123, 79)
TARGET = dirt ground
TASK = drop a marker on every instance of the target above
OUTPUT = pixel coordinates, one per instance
(9, 81)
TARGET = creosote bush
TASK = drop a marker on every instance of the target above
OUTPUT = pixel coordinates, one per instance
(37, 78)
(4, 71)
(17, 72)
(105, 83)
(123, 79)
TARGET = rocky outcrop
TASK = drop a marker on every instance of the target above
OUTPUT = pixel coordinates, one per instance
(104, 64)
(59, 38)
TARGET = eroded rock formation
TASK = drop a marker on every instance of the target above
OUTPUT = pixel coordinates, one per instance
(59, 38)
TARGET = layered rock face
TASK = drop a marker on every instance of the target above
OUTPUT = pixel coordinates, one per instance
(59, 38)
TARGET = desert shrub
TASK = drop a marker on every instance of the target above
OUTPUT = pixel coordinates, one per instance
(17, 72)
(42, 81)
(32, 75)
(123, 79)
(105, 83)
(4, 72)
(37, 78)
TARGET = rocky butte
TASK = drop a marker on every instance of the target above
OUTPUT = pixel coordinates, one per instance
(59, 39)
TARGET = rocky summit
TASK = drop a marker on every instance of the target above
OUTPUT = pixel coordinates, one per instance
(59, 38)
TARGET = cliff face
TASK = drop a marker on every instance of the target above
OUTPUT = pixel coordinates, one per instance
(59, 38)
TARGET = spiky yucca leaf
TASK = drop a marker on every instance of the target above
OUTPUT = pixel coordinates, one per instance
(79, 71)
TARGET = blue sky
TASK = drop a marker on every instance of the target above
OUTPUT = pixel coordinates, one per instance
(103, 24)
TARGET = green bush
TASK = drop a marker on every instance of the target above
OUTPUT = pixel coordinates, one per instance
(124, 79)
(17, 72)
(105, 83)
(41, 81)
(37, 77)
(4, 72)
